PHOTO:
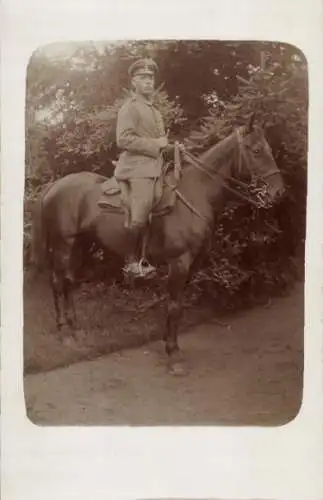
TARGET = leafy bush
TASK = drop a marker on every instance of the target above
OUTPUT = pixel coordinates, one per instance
(247, 258)
(88, 142)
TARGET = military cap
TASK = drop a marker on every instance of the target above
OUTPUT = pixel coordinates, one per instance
(143, 66)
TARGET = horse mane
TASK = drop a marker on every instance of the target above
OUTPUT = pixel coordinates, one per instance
(213, 142)
(219, 151)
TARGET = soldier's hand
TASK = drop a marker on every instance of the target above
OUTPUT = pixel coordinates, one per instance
(162, 142)
(181, 147)
(169, 149)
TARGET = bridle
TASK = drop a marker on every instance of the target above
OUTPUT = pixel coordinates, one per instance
(201, 166)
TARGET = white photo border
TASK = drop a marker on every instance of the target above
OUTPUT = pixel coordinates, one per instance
(109, 462)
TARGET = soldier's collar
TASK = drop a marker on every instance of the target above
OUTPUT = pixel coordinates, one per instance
(141, 98)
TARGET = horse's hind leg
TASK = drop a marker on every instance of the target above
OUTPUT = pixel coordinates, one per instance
(69, 281)
(56, 281)
(62, 281)
(69, 306)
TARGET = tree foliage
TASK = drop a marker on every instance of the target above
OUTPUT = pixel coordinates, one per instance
(246, 255)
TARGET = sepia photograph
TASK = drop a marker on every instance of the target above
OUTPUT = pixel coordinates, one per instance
(164, 232)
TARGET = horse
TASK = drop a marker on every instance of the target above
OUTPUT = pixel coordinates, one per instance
(68, 210)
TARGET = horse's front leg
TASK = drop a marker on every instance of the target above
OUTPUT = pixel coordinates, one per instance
(177, 279)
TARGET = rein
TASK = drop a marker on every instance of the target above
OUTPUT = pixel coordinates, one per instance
(202, 167)
(199, 165)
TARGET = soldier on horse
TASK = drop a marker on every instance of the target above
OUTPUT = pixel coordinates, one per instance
(142, 139)
(68, 213)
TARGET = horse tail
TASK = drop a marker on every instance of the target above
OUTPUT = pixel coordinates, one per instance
(39, 235)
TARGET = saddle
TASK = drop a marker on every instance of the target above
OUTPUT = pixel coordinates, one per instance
(113, 199)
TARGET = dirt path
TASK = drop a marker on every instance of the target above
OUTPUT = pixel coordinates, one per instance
(250, 374)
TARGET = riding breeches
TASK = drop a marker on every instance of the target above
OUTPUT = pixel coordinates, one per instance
(139, 196)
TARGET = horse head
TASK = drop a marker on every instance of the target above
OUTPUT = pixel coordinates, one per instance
(255, 160)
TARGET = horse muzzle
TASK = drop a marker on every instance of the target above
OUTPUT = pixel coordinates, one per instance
(276, 193)
(275, 188)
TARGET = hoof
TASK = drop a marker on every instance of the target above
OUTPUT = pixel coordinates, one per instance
(79, 334)
(177, 369)
(69, 341)
(177, 365)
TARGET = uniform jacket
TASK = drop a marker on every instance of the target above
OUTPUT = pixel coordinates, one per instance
(139, 124)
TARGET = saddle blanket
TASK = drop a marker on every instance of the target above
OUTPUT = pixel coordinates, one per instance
(112, 199)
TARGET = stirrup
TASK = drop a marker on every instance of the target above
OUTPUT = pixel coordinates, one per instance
(146, 269)
(141, 269)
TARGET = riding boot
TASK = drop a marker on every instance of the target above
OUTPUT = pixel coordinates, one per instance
(136, 266)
